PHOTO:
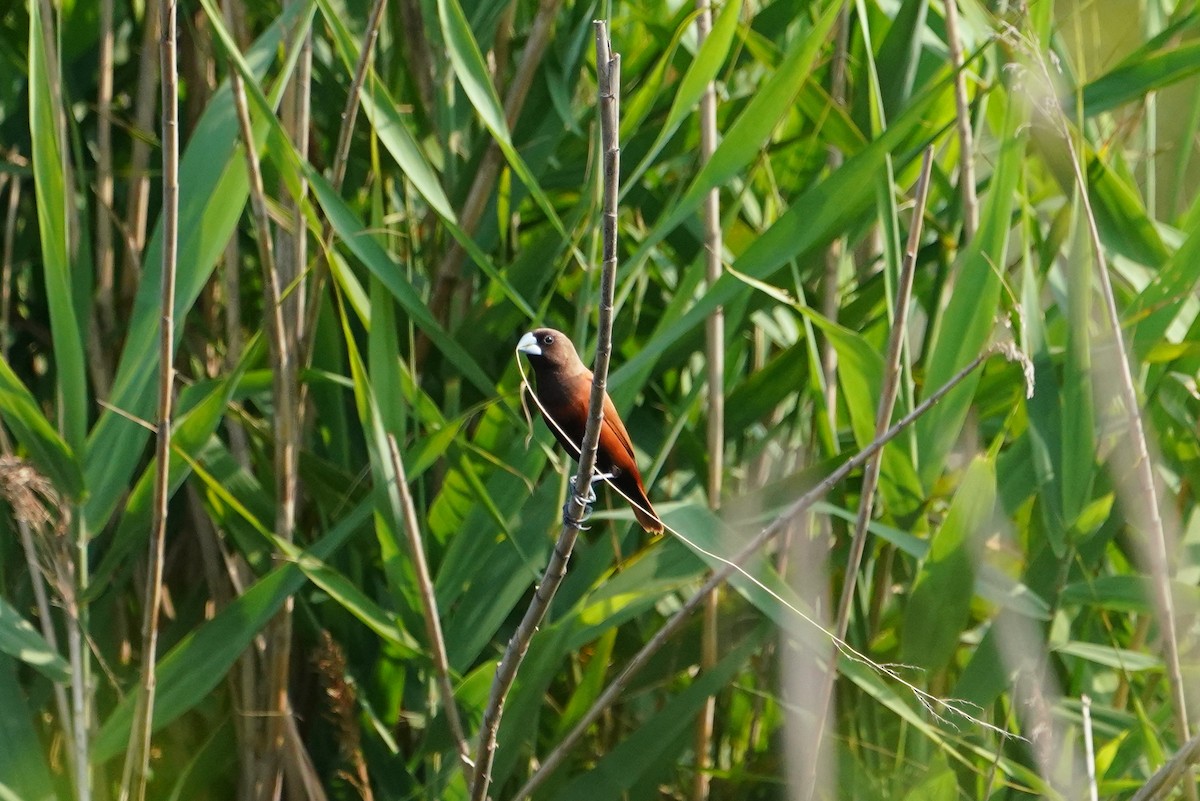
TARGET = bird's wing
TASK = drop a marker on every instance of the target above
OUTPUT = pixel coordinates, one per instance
(572, 417)
(613, 423)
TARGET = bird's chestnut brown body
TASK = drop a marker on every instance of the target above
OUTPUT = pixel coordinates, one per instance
(564, 386)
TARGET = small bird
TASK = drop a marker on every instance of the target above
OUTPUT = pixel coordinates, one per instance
(564, 386)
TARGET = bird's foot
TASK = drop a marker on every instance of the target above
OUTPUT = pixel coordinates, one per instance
(585, 500)
(598, 477)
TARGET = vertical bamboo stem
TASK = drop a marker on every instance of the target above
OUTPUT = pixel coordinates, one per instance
(714, 331)
(138, 759)
(966, 140)
(105, 255)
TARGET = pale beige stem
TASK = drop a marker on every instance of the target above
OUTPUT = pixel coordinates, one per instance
(966, 139)
(137, 760)
(714, 330)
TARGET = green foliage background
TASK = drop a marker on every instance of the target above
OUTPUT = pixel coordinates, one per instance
(1007, 563)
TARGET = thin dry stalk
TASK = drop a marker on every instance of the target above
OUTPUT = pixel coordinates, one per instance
(608, 70)
(341, 157)
(6, 260)
(883, 414)
(102, 315)
(231, 286)
(105, 255)
(837, 249)
(714, 330)
(231, 273)
(890, 390)
(449, 268)
(81, 710)
(801, 668)
(137, 761)
(277, 707)
(341, 154)
(735, 565)
(1143, 501)
(303, 779)
(433, 624)
(137, 209)
(1163, 782)
(966, 139)
(291, 243)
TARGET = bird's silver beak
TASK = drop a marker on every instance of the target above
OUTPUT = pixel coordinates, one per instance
(529, 345)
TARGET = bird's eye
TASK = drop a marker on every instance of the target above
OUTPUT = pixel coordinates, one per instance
(547, 340)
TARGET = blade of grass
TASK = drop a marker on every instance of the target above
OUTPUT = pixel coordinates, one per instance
(51, 188)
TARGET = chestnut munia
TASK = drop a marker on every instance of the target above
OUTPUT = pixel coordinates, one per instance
(564, 386)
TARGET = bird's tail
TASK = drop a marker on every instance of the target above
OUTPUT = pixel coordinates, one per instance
(630, 485)
(649, 518)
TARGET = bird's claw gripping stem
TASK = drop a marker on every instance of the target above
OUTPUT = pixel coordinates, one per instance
(585, 500)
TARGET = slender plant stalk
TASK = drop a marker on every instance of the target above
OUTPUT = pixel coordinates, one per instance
(1144, 506)
(727, 569)
(341, 154)
(71, 589)
(292, 240)
(837, 249)
(232, 288)
(277, 706)
(250, 672)
(608, 72)
(1163, 782)
(137, 761)
(433, 625)
(101, 316)
(105, 255)
(73, 568)
(138, 203)
(883, 415)
(887, 400)
(42, 599)
(341, 157)
(301, 772)
(966, 139)
(714, 330)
